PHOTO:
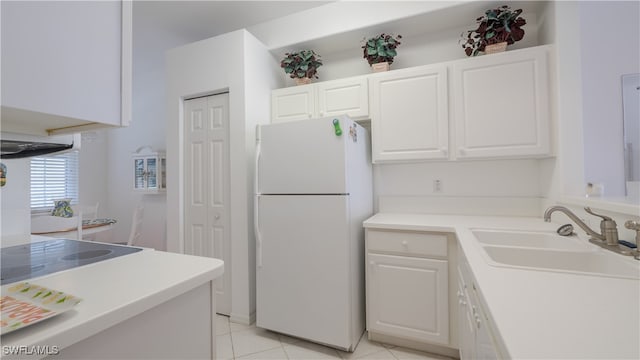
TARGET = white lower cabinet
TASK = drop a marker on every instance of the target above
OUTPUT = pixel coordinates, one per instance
(408, 297)
(407, 287)
(475, 336)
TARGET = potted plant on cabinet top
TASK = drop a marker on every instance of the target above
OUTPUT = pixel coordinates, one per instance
(380, 51)
(301, 66)
(496, 29)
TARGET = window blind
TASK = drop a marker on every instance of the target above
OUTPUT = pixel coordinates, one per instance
(54, 177)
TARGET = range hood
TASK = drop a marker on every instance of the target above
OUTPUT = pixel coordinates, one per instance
(17, 146)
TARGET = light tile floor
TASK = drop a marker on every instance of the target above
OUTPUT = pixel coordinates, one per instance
(236, 341)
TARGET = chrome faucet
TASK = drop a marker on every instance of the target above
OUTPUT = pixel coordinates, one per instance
(635, 225)
(608, 238)
(607, 225)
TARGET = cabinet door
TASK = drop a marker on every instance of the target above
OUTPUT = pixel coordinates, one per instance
(152, 173)
(348, 96)
(71, 60)
(139, 171)
(293, 103)
(407, 297)
(501, 104)
(409, 114)
(466, 325)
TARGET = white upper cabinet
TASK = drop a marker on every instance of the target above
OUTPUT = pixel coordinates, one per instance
(328, 98)
(484, 107)
(293, 103)
(347, 96)
(66, 66)
(501, 105)
(409, 114)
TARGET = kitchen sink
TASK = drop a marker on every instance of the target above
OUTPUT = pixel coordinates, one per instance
(530, 239)
(581, 262)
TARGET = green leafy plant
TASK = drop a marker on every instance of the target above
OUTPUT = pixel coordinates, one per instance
(495, 26)
(302, 64)
(381, 48)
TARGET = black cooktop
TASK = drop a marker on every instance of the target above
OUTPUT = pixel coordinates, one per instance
(22, 262)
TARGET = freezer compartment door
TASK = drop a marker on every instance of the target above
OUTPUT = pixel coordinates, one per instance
(303, 157)
(303, 279)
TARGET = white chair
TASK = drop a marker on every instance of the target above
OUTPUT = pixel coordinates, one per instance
(86, 212)
(136, 225)
(89, 212)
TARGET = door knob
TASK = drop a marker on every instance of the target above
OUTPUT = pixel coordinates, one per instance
(217, 216)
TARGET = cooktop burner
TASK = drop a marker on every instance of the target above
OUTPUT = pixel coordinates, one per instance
(27, 261)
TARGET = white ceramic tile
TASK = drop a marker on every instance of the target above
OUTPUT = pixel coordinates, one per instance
(380, 355)
(288, 340)
(240, 327)
(222, 325)
(224, 347)
(275, 354)
(364, 347)
(305, 350)
(253, 340)
(404, 353)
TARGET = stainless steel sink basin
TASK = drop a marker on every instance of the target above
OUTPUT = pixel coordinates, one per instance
(588, 263)
(530, 239)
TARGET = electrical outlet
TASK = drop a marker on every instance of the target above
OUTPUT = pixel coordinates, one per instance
(437, 186)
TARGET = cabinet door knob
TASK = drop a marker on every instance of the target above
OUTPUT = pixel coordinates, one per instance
(462, 151)
(371, 263)
(217, 216)
(405, 243)
(310, 115)
(444, 151)
(321, 113)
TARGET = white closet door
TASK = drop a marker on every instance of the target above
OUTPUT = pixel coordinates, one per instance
(206, 186)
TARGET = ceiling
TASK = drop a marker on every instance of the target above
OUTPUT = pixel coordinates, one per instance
(198, 20)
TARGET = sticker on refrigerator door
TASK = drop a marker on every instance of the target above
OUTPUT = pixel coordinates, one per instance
(353, 132)
(3, 174)
(336, 127)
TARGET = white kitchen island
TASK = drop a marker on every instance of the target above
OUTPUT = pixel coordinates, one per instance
(149, 304)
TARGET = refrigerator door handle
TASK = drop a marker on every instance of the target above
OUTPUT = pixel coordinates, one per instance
(256, 212)
(256, 228)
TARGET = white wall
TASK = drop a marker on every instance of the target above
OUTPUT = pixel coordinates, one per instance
(93, 176)
(15, 213)
(148, 127)
(262, 73)
(247, 71)
(608, 51)
(415, 50)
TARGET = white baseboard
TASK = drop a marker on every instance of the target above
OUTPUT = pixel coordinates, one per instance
(242, 318)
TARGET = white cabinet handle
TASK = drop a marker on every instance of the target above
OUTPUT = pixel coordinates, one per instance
(310, 115)
(321, 113)
(371, 263)
(462, 151)
(405, 243)
(444, 151)
(217, 216)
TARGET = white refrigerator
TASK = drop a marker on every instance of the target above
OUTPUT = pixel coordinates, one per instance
(313, 191)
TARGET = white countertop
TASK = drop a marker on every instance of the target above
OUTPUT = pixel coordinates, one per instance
(114, 290)
(540, 314)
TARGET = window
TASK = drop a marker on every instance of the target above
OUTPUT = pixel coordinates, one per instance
(54, 177)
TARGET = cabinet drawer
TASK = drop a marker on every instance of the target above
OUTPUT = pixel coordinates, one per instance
(407, 242)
